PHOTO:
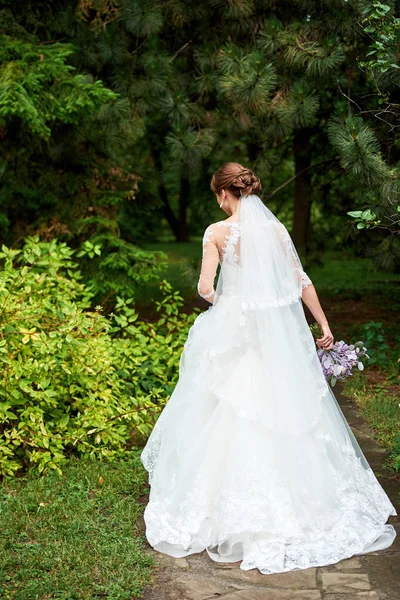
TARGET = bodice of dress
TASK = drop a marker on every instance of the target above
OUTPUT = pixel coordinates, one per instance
(221, 245)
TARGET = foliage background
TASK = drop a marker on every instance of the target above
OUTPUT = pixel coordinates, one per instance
(115, 113)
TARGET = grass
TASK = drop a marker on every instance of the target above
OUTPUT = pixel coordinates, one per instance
(76, 536)
(341, 273)
(376, 393)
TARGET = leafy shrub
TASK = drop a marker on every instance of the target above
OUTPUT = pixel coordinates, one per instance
(374, 340)
(114, 267)
(74, 380)
(152, 350)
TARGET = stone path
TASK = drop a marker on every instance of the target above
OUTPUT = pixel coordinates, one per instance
(373, 576)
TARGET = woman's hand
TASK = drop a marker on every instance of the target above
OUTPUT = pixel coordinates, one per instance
(326, 341)
(310, 299)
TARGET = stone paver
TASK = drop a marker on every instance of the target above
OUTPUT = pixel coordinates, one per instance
(372, 576)
(170, 561)
(201, 588)
(350, 564)
(354, 596)
(274, 595)
(305, 578)
(345, 582)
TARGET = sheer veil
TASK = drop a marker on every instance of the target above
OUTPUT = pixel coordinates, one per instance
(266, 278)
(271, 273)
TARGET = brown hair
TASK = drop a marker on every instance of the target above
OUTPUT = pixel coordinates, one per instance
(235, 178)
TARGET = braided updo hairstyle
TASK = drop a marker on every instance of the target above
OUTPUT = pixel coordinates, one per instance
(237, 179)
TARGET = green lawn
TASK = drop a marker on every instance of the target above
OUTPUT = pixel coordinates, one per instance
(78, 536)
(342, 272)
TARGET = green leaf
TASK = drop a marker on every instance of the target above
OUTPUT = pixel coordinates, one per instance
(64, 421)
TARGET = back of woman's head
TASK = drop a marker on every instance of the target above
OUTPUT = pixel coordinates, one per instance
(237, 179)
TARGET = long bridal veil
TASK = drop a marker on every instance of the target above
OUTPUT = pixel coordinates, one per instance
(269, 283)
(252, 458)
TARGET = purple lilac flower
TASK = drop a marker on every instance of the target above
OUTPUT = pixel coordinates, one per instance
(338, 363)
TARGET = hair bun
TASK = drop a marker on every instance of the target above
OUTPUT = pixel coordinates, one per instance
(248, 182)
(236, 178)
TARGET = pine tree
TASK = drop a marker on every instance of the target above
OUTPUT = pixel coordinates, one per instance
(276, 86)
(65, 137)
(262, 86)
(59, 128)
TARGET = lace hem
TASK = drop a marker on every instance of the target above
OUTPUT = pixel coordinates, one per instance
(287, 554)
(305, 280)
(263, 530)
(286, 301)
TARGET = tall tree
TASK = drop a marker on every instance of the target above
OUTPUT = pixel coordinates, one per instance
(257, 86)
(273, 85)
(65, 138)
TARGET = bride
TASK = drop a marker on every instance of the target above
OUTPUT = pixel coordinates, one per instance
(252, 458)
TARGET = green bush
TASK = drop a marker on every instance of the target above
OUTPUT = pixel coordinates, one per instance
(374, 338)
(396, 453)
(152, 350)
(113, 267)
(74, 380)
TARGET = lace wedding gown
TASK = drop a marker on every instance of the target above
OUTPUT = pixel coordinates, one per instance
(252, 459)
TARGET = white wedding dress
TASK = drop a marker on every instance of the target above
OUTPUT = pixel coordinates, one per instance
(252, 459)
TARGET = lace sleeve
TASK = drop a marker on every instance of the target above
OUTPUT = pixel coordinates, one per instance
(209, 264)
(303, 278)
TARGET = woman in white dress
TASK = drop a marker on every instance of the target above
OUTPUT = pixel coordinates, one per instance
(252, 458)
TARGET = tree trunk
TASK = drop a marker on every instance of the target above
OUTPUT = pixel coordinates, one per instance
(183, 204)
(302, 190)
(173, 222)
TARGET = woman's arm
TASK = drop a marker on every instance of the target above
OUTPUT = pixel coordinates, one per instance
(311, 300)
(209, 264)
(309, 294)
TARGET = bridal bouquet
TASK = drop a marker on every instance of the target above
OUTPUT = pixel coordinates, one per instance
(338, 363)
